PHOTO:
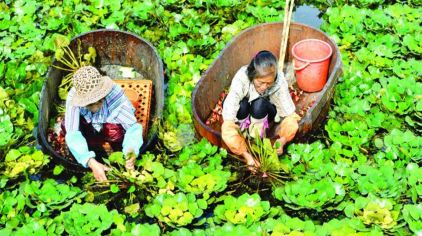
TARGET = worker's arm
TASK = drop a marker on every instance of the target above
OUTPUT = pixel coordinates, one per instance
(74, 139)
(132, 141)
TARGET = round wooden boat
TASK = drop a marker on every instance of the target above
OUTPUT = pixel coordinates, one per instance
(238, 52)
(113, 47)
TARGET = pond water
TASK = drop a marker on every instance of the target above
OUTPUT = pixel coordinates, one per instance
(308, 15)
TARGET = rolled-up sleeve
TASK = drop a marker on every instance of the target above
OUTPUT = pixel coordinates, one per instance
(232, 138)
(133, 139)
(236, 93)
(78, 147)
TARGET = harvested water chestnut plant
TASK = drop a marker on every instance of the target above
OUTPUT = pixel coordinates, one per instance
(270, 167)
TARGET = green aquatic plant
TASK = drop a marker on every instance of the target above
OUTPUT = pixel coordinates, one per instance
(384, 181)
(201, 169)
(347, 226)
(70, 62)
(372, 210)
(12, 208)
(192, 178)
(302, 158)
(23, 160)
(49, 195)
(414, 181)
(137, 229)
(6, 130)
(400, 95)
(33, 203)
(412, 214)
(35, 226)
(148, 179)
(246, 209)
(90, 219)
(200, 153)
(353, 135)
(400, 146)
(380, 48)
(285, 225)
(176, 210)
(15, 126)
(310, 194)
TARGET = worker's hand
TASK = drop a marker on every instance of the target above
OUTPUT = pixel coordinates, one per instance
(282, 141)
(98, 169)
(130, 160)
(251, 162)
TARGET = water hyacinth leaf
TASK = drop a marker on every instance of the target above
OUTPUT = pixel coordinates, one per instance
(73, 180)
(131, 189)
(132, 209)
(412, 214)
(60, 41)
(6, 130)
(114, 188)
(117, 157)
(58, 169)
(202, 204)
(41, 207)
(245, 209)
(413, 43)
(349, 210)
(158, 169)
(153, 211)
(13, 154)
(409, 121)
(30, 105)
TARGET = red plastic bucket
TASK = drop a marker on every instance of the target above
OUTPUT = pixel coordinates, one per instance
(311, 59)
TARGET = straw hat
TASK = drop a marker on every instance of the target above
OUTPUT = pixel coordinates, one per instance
(90, 86)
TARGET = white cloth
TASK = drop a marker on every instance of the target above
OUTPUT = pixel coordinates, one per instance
(242, 87)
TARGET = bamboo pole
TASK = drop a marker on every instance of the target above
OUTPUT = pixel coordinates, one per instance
(285, 33)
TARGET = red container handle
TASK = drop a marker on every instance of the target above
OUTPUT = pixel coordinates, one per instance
(300, 67)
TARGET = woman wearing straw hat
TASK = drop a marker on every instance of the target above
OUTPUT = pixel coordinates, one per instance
(98, 112)
(258, 97)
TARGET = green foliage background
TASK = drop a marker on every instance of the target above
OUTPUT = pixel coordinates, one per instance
(366, 165)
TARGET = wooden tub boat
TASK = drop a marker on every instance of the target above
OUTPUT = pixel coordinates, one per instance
(238, 52)
(115, 48)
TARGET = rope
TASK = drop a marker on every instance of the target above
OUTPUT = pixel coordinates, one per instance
(288, 9)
